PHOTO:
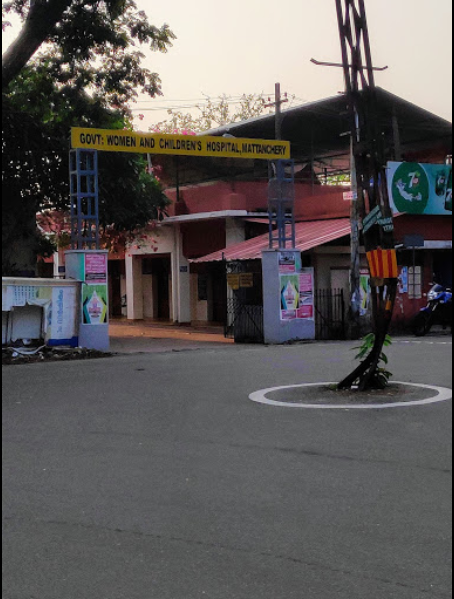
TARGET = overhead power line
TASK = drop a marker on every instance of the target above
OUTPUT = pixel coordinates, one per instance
(231, 101)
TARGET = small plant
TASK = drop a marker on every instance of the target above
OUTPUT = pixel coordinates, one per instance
(382, 375)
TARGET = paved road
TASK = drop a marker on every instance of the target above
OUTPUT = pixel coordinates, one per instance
(154, 477)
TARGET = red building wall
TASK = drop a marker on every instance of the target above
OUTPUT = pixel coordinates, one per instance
(311, 202)
(203, 238)
(432, 228)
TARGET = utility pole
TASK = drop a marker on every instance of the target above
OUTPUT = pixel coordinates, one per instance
(278, 106)
(355, 265)
(370, 162)
(281, 188)
(373, 202)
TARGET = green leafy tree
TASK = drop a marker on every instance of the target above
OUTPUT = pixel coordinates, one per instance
(87, 73)
(81, 30)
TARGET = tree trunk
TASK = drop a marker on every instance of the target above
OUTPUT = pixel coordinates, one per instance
(365, 375)
(19, 237)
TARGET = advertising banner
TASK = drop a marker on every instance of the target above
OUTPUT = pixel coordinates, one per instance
(95, 303)
(178, 145)
(95, 294)
(420, 188)
(96, 269)
(59, 305)
(289, 262)
(297, 296)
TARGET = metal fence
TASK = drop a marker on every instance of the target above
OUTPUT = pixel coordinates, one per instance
(330, 321)
(245, 302)
(244, 322)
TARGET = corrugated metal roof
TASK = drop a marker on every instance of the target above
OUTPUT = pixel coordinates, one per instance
(308, 235)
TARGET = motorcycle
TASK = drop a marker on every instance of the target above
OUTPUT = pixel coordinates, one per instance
(437, 312)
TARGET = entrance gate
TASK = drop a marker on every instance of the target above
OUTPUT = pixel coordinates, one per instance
(244, 303)
(330, 322)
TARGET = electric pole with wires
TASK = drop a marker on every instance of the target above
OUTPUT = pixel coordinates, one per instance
(277, 104)
(373, 204)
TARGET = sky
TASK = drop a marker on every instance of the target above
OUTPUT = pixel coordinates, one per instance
(246, 46)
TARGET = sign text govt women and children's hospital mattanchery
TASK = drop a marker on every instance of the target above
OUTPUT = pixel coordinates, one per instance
(178, 145)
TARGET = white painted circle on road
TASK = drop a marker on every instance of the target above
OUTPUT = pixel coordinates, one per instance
(441, 394)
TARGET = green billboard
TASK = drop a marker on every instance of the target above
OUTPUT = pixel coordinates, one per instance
(420, 188)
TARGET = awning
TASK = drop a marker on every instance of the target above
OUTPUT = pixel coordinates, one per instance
(308, 235)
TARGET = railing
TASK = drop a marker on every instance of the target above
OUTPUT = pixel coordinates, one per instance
(244, 323)
(330, 314)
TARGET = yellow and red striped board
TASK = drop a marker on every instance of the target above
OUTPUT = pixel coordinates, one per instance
(383, 264)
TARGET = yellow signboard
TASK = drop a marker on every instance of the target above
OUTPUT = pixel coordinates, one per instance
(233, 281)
(178, 145)
(246, 280)
(240, 281)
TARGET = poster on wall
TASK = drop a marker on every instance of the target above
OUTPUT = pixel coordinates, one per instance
(63, 316)
(59, 305)
(95, 302)
(297, 296)
(403, 280)
(365, 292)
(96, 269)
(420, 188)
(290, 262)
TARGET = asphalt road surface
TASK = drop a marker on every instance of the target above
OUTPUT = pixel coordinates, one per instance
(155, 477)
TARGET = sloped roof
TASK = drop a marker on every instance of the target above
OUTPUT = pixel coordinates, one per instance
(308, 235)
(318, 132)
(329, 118)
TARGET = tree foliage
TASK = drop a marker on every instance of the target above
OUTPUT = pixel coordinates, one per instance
(95, 31)
(214, 113)
(87, 74)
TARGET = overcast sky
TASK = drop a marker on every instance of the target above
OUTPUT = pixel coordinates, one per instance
(246, 46)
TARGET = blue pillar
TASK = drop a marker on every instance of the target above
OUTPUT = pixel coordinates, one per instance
(84, 192)
(85, 262)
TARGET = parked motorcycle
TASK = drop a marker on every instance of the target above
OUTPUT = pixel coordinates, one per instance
(437, 312)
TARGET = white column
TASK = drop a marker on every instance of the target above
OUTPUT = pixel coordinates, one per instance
(134, 287)
(181, 282)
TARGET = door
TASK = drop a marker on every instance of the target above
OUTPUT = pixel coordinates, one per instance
(115, 272)
(219, 294)
(162, 270)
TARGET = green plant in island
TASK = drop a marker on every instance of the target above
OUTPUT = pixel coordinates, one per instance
(382, 375)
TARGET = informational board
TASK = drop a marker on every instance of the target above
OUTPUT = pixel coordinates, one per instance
(420, 188)
(178, 145)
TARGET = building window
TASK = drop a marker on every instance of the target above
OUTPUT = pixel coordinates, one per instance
(415, 282)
